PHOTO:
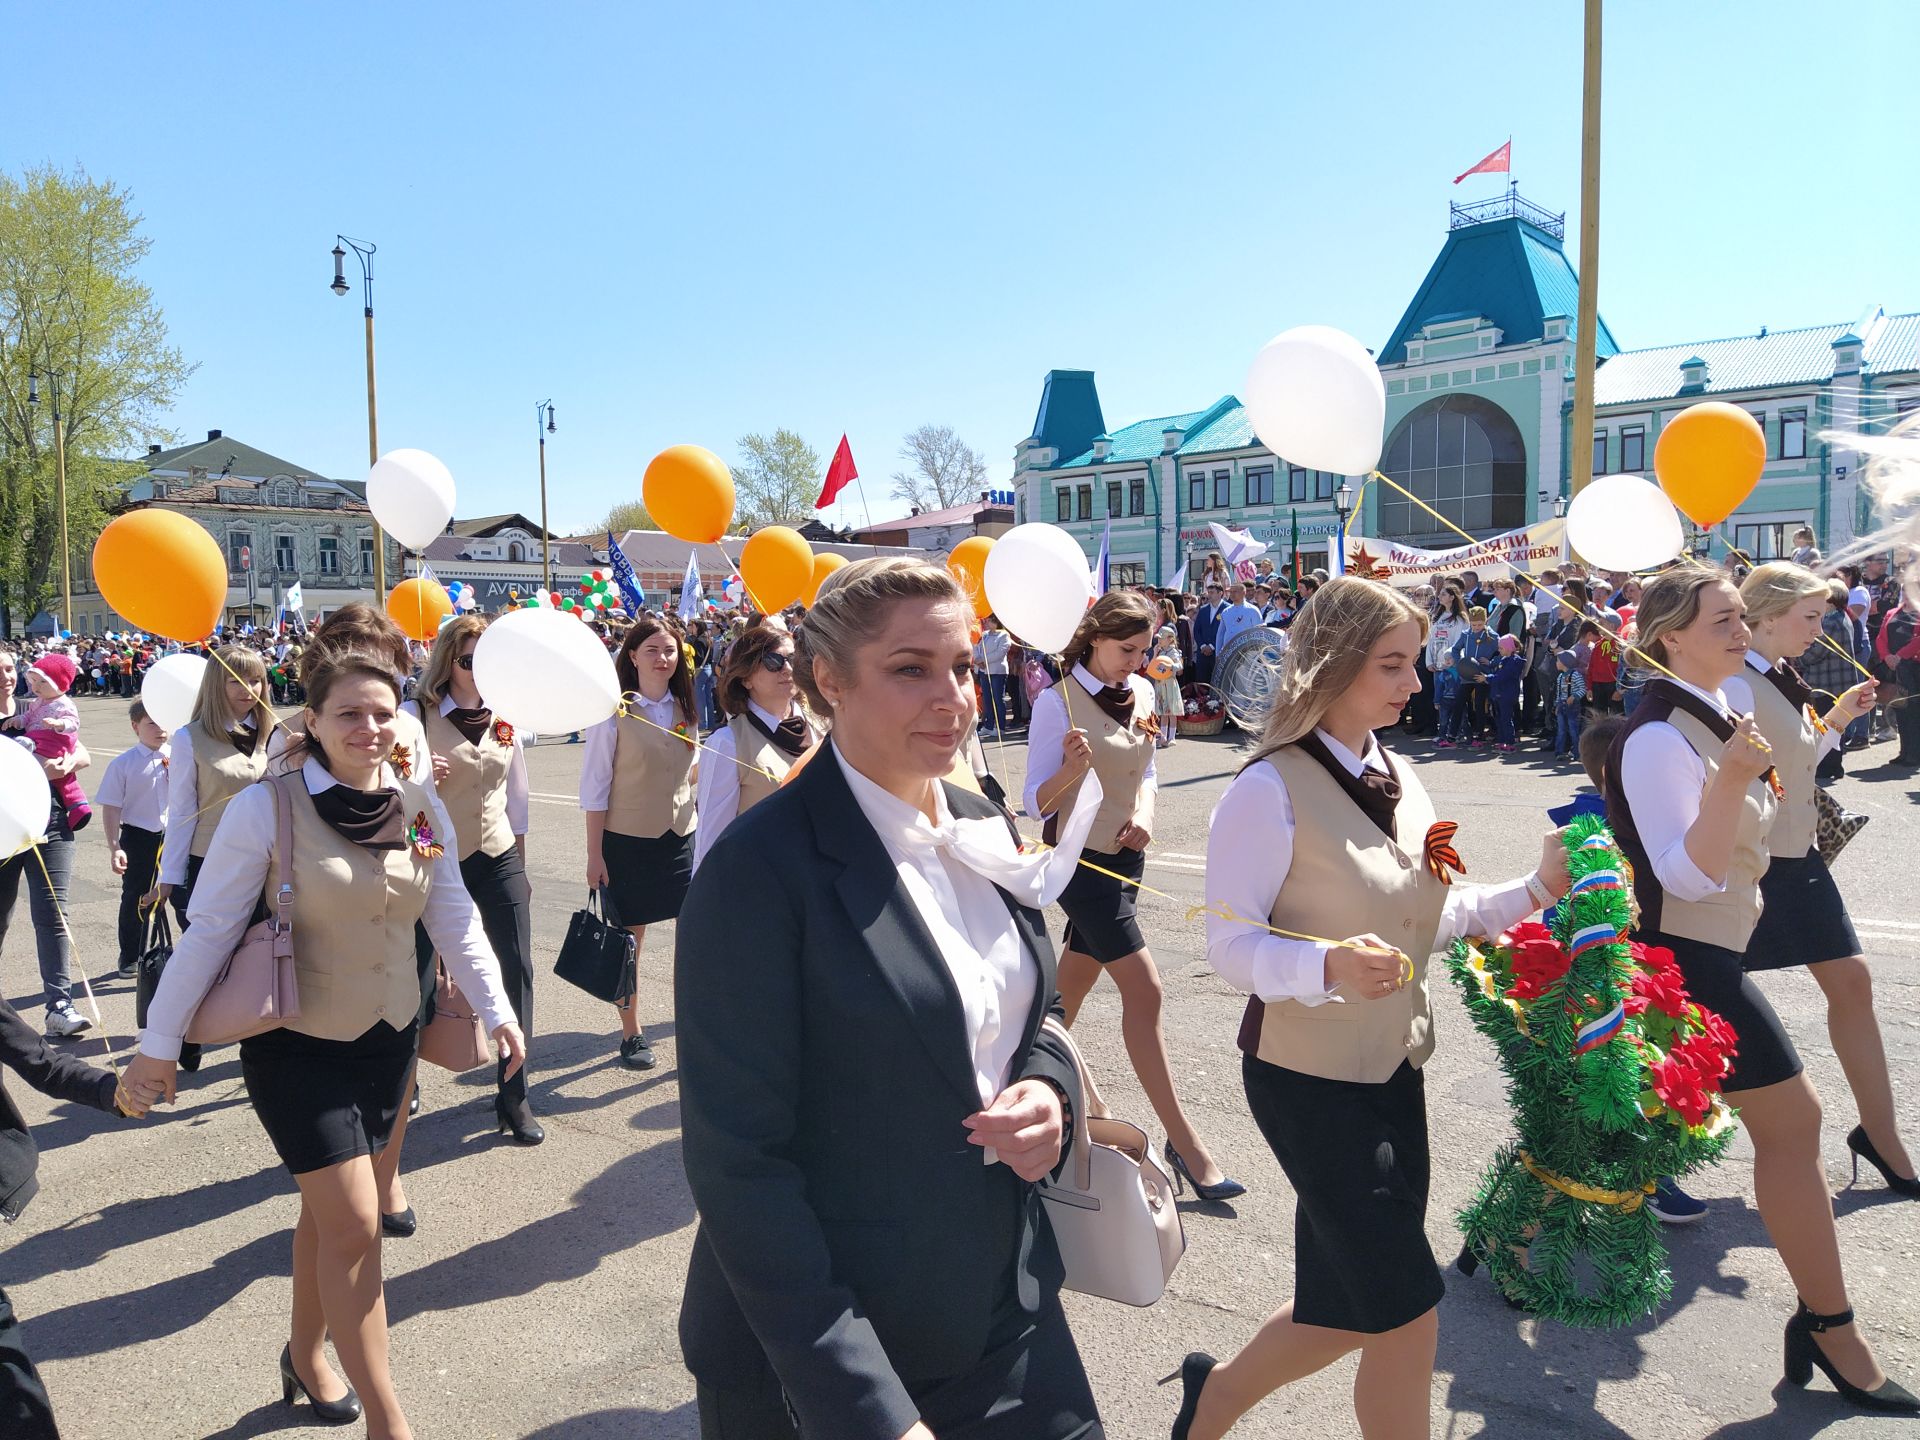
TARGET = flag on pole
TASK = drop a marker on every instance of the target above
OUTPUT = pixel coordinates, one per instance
(690, 593)
(1500, 160)
(426, 573)
(1236, 546)
(1100, 565)
(624, 577)
(838, 474)
(294, 602)
(1294, 517)
(1180, 575)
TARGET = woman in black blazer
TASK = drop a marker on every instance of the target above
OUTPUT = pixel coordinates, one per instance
(859, 1011)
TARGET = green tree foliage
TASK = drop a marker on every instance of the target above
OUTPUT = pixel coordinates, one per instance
(776, 481)
(625, 516)
(74, 311)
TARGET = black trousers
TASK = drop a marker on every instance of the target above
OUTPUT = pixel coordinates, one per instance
(25, 1411)
(498, 885)
(143, 868)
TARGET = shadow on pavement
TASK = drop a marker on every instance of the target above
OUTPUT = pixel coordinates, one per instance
(681, 1423)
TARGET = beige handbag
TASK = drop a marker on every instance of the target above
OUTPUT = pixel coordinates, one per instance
(256, 990)
(454, 1039)
(1112, 1210)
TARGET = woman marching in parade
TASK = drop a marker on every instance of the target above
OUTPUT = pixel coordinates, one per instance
(768, 732)
(480, 771)
(1099, 719)
(1323, 834)
(1693, 793)
(218, 753)
(636, 787)
(329, 1084)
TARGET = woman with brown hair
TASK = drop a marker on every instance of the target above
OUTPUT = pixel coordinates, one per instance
(1099, 720)
(636, 787)
(768, 732)
(481, 771)
(220, 751)
(1322, 833)
(1693, 793)
(330, 1084)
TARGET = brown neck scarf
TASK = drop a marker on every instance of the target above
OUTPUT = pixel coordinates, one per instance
(371, 819)
(472, 724)
(791, 737)
(1787, 681)
(1377, 795)
(1115, 701)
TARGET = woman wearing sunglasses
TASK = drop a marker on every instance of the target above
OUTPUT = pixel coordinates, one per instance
(636, 787)
(481, 771)
(768, 732)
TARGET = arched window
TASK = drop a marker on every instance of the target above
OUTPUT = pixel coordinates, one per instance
(516, 551)
(1465, 457)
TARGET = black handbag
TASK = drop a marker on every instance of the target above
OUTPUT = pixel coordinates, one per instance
(156, 948)
(598, 956)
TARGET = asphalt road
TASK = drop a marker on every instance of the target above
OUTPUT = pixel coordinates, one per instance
(539, 1297)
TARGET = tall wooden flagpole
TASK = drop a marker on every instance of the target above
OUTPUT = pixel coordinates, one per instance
(1581, 437)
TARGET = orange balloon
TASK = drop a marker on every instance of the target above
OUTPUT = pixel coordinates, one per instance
(777, 565)
(688, 491)
(418, 606)
(163, 573)
(1709, 458)
(967, 563)
(824, 564)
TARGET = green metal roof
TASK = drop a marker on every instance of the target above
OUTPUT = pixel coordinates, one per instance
(1069, 415)
(214, 455)
(1753, 362)
(1510, 271)
(1141, 440)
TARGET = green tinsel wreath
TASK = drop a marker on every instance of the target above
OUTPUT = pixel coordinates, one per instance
(1614, 1076)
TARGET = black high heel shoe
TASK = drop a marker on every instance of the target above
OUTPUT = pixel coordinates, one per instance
(1804, 1353)
(1862, 1149)
(343, 1411)
(516, 1119)
(400, 1224)
(1192, 1376)
(1225, 1190)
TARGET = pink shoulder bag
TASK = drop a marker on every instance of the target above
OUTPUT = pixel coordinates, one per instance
(255, 990)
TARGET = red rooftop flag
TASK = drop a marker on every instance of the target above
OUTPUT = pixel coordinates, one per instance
(838, 474)
(1499, 160)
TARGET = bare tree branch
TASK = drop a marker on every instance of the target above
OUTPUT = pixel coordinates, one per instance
(946, 470)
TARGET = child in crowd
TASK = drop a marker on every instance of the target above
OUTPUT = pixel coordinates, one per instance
(1474, 654)
(51, 725)
(1603, 666)
(1503, 682)
(1446, 700)
(1569, 701)
(133, 808)
(1670, 1204)
(1163, 669)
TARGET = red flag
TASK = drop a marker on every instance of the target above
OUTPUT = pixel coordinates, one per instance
(838, 474)
(1499, 160)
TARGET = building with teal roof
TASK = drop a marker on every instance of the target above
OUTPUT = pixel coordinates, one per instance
(1479, 382)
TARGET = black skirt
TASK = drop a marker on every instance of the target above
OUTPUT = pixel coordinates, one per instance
(1101, 911)
(1717, 979)
(1356, 1156)
(1803, 920)
(646, 879)
(325, 1101)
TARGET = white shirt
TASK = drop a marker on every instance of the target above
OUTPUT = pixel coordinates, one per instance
(1859, 601)
(135, 784)
(517, 787)
(1047, 732)
(183, 802)
(1442, 634)
(1739, 695)
(1664, 780)
(232, 881)
(1234, 619)
(1250, 851)
(971, 927)
(717, 799)
(596, 764)
(990, 654)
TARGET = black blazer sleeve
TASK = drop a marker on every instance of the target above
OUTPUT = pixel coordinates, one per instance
(48, 1071)
(737, 1005)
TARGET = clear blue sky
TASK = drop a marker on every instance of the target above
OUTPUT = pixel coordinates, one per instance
(687, 222)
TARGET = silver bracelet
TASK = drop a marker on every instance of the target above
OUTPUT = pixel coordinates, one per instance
(1543, 898)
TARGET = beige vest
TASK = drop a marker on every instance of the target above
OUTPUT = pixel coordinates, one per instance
(220, 772)
(1347, 878)
(754, 750)
(1796, 755)
(353, 915)
(474, 789)
(1120, 759)
(652, 790)
(1726, 919)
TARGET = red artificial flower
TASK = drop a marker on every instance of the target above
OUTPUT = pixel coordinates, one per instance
(1723, 1035)
(1536, 959)
(1677, 1085)
(1663, 989)
(1657, 958)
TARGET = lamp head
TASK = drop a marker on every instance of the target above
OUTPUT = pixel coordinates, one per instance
(339, 286)
(1343, 497)
(551, 427)
(33, 387)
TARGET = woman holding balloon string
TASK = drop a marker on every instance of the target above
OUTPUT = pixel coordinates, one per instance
(636, 787)
(768, 733)
(1099, 721)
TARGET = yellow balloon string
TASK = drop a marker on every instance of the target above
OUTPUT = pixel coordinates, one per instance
(629, 709)
(1828, 641)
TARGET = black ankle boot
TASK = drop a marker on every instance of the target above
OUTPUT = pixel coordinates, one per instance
(517, 1119)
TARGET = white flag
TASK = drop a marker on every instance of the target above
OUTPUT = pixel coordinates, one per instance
(690, 593)
(293, 601)
(1236, 545)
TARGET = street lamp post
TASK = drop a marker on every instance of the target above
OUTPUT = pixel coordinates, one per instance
(60, 489)
(544, 410)
(1342, 507)
(363, 252)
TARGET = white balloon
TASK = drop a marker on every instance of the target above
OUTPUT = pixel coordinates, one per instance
(25, 798)
(545, 673)
(1315, 398)
(411, 495)
(1038, 584)
(1623, 522)
(170, 689)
